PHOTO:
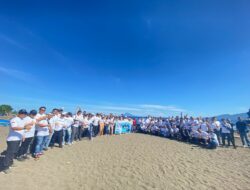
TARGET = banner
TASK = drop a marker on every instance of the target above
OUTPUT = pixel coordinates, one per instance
(122, 127)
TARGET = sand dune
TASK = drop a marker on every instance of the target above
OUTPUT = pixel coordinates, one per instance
(132, 161)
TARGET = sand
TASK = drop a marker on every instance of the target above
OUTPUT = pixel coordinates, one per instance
(131, 161)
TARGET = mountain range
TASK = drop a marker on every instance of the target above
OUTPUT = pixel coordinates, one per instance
(232, 117)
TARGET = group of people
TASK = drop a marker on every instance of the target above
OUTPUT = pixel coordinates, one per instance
(208, 132)
(30, 134)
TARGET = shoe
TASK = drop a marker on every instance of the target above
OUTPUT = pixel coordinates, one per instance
(245, 146)
(7, 171)
(20, 159)
(13, 165)
(45, 149)
(26, 157)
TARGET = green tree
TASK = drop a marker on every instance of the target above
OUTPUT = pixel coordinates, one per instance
(5, 109)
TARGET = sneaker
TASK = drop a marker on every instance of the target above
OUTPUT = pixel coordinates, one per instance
(7, 171)
(20, 159)
(45, 149)
(26, 157)
(245, 146)
(13, 165)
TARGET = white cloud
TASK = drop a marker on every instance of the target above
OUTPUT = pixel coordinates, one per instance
(162, 108)
(12, 42)
(15, 73)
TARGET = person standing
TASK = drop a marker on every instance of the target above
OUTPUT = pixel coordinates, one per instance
(225, 132)
(58, 131)
(243, 131)
(78, 126)
(232, 133)
(95, 121)
(42, 134)
(15, 137)
(68, 130)
(29, 136)
(216, 127)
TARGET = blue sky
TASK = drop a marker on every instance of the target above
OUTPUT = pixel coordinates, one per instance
(142, 57)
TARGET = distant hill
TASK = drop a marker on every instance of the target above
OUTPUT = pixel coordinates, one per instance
(232, 117)
(128, 115)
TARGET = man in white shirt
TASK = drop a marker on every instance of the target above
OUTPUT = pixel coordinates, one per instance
(95, 121)
(42, 132)
(58, 131)
(225, 132)
(15, 137)
(216, 127)
(68, 130)
(77, 126)
(29, 136)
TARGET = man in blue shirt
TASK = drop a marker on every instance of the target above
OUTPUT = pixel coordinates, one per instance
(243, 130)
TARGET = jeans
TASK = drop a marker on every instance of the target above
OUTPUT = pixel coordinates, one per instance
(41, 143)
(24, 147)
(12, 149)
(226, 136)
(47, 143)
(90, 132)
(244, 138)
(218, 133)
(67, 136)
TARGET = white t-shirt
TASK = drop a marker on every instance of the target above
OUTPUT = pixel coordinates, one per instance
(204, 127)
(95, 120)
(30, 133)
(225, 128)
(16, 135)
(59, 124)
(69, 121)
(42, 131)
(204, 135)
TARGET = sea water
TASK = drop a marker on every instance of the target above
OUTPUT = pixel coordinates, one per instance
(4, 123)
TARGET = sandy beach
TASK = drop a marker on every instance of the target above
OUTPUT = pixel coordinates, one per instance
(131, 161)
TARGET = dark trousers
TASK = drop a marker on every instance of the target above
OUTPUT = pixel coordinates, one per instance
(232, 139)
(74, 135)
(57, 137)
(80, 132)
(224, 137)
(12, 149)
(95, 130)
(24, 147)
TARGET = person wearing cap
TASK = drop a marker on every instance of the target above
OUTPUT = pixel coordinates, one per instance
(42, 132)
(15, 137)
(29, 136)
(58, 131)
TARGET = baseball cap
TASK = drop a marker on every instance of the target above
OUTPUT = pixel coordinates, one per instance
(23, 111)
